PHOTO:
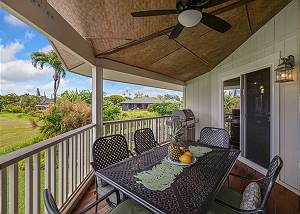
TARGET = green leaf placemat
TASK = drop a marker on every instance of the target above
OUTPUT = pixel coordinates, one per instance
(199, 151)
(161, 176)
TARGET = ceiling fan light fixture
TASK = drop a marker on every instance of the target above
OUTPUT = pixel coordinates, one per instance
(190, 18)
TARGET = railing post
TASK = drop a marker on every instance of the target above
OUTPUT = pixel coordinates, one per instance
(60, 173)
(97, 99)
(71, 165)
(3, 190)
(37, 184)
(28, 186)
(13, 188)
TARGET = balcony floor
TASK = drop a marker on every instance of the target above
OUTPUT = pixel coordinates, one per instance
(276, 203)
(88, 198)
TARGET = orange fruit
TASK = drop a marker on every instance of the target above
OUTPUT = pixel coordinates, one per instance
(185, 159)
(188, 153)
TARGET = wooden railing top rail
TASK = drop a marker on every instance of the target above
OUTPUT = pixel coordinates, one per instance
(16, 156)
(132, 120)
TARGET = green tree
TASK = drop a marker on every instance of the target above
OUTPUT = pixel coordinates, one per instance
(29, 101)
(115, 99)
(50, 59)
(167, 97)
(72, 96)
(140, 95)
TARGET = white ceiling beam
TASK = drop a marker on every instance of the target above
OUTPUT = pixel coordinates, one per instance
(120, 67)
(44, 18)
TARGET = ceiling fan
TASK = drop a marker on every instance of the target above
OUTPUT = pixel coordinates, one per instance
(190, 14)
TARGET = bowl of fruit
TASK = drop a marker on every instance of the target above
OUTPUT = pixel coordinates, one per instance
(180, 156)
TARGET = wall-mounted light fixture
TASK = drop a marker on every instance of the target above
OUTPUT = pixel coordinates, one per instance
(284, 71)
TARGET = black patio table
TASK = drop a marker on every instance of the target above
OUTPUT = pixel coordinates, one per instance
(193, 190)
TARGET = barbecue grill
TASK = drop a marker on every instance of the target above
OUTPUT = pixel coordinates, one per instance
(188, 121)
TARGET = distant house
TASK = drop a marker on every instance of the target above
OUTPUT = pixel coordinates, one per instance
(139, 103)
(42, 106)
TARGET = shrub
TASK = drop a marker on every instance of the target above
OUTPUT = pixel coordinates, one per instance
(230, 102)
(137, 114)
(13, 108)
(65, 116)
(111, 111)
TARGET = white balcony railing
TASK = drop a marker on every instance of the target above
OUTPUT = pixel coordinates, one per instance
(61, 164)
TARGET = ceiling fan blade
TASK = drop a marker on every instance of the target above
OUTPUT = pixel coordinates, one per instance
(153, 13)
(176, 31)
(215, 22)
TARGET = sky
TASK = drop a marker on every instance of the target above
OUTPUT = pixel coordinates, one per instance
(17, 75)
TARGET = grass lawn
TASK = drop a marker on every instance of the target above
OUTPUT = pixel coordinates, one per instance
(15, 128)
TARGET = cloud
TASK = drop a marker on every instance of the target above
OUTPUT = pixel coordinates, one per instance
(46, 48)
(13, 21)
(8, 52)
(20, 70)
(47, 88)
(29, 35)
(17, 70)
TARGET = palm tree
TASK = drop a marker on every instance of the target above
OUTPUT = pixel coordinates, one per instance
(50, 59)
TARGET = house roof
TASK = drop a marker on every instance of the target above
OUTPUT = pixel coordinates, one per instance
(143, 42)
(144, 100)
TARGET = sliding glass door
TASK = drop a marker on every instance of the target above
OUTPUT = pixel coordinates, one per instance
(256, 116)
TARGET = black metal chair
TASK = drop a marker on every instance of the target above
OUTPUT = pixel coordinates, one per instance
(228, 199)
(127, 206)
(108, 150)
(215, 137)
(144, 140)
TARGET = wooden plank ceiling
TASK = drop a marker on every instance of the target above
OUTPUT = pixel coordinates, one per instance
(143, 42)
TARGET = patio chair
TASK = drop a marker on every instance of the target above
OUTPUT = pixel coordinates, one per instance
(108, 150)
(215, 137)
(144, 140)
(254, 198)
(126, 207)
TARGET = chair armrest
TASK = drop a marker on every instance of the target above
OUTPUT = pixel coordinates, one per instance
(245, 178)
(157, 144)
(237, 210)
(131, 152)
(96, 202)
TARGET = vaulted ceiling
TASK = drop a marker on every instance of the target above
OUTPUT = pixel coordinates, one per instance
(143, 42)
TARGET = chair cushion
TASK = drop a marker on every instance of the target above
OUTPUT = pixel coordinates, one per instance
(251, 197)
(129, 206)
